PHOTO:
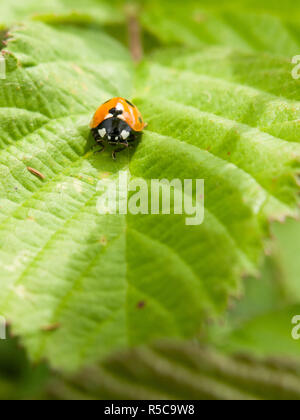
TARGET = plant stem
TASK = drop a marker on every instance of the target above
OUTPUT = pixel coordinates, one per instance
(134, 32)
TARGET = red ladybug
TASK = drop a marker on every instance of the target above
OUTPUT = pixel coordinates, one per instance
(117, 122)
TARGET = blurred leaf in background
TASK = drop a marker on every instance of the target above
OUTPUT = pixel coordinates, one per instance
(187, 371)
(18, 378)
(67, 11)
(266, 26)
(262, 322)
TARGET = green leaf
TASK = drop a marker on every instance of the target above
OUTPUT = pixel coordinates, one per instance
(184, 371)
(77, 285)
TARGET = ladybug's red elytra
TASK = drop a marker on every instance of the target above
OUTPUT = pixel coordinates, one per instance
(117, 122)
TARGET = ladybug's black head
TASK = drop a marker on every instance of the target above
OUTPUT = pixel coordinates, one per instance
(114, 130)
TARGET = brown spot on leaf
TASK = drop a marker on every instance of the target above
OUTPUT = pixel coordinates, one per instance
(103, 240)
(141, 304)
(36, 172)
(51, 327)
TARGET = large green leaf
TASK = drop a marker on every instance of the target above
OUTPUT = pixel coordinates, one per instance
(77, 285)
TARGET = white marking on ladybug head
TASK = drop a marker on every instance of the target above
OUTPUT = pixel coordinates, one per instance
(125, 134)
(102, 132)
(121, 116)
(119, 107)
(109, 137)
(108, 116)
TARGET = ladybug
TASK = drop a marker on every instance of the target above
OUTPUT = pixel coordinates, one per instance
(117, 122)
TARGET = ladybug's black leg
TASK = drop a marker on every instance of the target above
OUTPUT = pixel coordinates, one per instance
(120, 149)
(102, 148)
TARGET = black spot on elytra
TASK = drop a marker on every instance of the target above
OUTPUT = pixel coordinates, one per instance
(141, 305)
(115, 112)
(140, 120)
(129, 103)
